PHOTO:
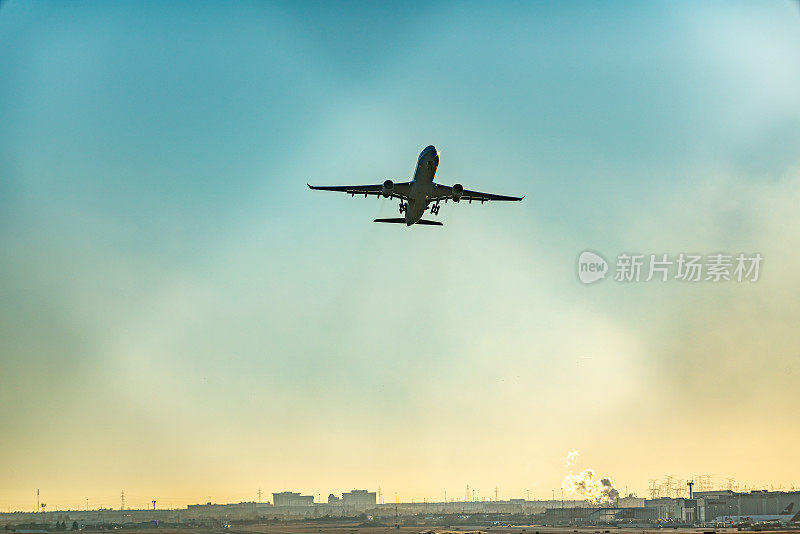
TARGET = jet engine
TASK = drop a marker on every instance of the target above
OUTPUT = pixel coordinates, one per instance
(388, 186)
(458, 190)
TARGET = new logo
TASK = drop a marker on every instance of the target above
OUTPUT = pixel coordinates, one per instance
(591, 267)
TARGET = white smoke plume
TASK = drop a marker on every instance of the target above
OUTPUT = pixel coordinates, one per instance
(594, 490)
(572, 457)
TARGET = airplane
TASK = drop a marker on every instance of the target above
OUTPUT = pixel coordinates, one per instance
(784, 517)
(417, 195)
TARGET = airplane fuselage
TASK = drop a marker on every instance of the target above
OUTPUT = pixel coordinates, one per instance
(779, 518)
(422, 184)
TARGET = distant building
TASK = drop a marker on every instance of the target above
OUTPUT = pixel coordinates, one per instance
(679, 509)
(614, 515)
(361, 499)
(711, 506)
(554, 516)
(289, 498)
(333, 499)
(629, 502)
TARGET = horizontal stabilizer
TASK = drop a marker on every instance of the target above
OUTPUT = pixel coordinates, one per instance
(403, 221)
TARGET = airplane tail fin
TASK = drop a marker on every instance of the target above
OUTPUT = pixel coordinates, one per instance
(796, 518)
(403, 221)
(788, 509)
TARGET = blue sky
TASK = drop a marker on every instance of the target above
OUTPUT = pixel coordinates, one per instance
(169, 283)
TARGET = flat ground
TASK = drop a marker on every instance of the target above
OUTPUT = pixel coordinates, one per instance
(353, 528)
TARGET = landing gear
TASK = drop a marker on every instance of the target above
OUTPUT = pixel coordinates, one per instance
(403, 206)
(435, 209)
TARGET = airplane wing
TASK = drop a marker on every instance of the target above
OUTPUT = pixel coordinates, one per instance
(399, 190)
(442, 192)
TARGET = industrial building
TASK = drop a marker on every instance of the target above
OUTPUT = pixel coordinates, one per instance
(677, 510)
(714, 504)
(629, 502)
(623, 515)
(360, 499)
(598, 515)
(558, 516)
(288, 498)
(707, 506)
